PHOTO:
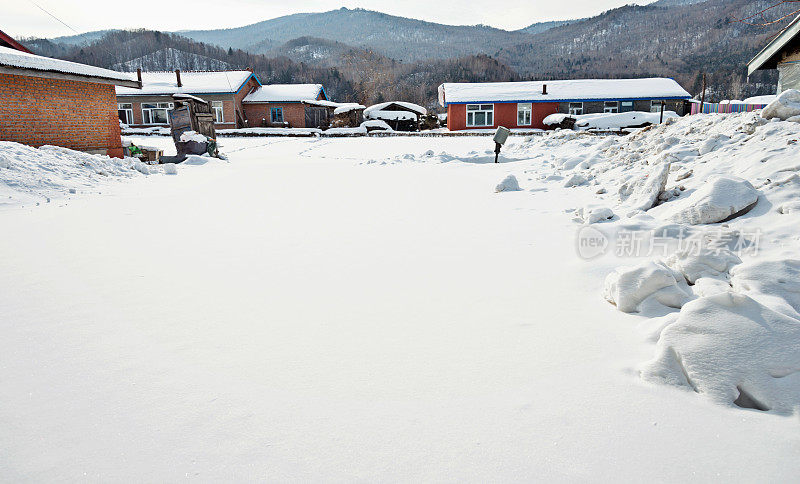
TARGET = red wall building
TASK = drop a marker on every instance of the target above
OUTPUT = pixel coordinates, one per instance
(504, 114)
(521, 105)
(47, 101)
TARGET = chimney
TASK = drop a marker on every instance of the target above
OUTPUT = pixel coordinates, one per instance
(139, 76)
(178, 76)
(544, 89)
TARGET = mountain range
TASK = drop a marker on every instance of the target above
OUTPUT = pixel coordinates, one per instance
(674, 38)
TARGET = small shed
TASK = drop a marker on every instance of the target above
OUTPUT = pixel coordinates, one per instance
(401, 116)
(348, 115)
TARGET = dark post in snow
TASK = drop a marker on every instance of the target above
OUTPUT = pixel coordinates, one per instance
(500, 138)
(178, 77)
(703, 97)
(663, 103)
(139, 77)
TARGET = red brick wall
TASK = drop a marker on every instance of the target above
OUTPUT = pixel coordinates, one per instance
(505, 114)
(294, 113)
(78, 115)
(239, 96)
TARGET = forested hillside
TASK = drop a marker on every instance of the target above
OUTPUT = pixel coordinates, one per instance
(366, 56)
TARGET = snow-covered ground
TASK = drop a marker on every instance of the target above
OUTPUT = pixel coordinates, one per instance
(395, 309)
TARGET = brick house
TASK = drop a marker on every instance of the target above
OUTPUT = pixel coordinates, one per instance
(46, 101)
(289, 106)
(223, 90)
(526, 104)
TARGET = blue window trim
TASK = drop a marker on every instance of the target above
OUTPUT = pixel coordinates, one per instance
(272, 116)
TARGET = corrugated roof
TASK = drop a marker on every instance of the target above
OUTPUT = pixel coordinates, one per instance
(193, 82)
(23, 60)
(284, 93)
(572, 90)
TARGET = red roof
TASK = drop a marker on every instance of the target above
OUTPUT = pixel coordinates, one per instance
(7, 41)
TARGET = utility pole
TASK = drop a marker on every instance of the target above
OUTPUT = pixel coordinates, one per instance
(703, 97)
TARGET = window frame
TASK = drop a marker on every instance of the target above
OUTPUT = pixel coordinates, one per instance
(574, 109)
(486, 110)
(273, 111)
(526, 110)
(149, 108)
(121, 108)
(218, 110)
(611, 107)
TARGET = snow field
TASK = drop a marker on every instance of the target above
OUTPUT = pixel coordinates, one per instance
(373, 309)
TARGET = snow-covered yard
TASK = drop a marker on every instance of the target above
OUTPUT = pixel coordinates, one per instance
(365, 309)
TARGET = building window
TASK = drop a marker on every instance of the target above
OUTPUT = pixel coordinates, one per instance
(524, 112)
(575, 109)
(156, 113)
(480, 115)
(627, 106)
(125, 112)
(655, 106)
(611, 107)
(216, 108)
(276, 115)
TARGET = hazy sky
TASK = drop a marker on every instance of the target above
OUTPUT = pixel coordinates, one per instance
(23, 18)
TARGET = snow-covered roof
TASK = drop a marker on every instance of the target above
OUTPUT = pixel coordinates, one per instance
(16, 59)
(347, 107)
(380, 107)
(193, 82)
(573, 90)
(285, 93)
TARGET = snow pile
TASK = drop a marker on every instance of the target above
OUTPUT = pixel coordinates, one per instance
(733, 350)
(723, 197)
(642, 194)
(713, 200)
(594, 214)
(33, 175)
(193, 136)
(609, 121)
(629, 287)
(615, 121)
(785, 107)
(509, 184)
(377, 125)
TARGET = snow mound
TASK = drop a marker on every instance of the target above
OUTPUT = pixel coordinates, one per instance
(774, 283)
(629, 287)
(29, 174)
(734, 350)
(193, 136)
(643, 193)
(575, 180)
(594, 214)
(170, 169)
(703, 263)
(509, 184)
(786, 106)
(721, 199)
(614, 121)
(376, 124)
